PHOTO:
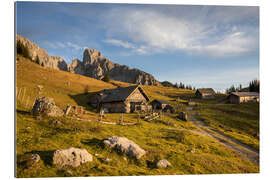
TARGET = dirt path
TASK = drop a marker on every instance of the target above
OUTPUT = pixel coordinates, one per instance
(242, 149)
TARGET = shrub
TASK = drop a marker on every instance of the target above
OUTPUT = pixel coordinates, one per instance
(86, 89)
(106, 77)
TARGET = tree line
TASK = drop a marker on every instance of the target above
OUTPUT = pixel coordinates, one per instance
(178, 85)
(254, 86)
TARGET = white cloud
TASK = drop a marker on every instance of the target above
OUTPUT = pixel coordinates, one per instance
(150, 31)
(73, 45)
(117, 42)
(60, 45)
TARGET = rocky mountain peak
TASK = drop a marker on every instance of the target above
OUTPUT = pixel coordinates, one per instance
(91, 56)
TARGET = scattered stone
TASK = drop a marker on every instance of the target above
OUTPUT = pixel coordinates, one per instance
(29, 161)
(39, 87)
(68, 108)
(71, 157)
(96, 155)
(125, 145)
(46, 106)
(106, 160)
(38, 117)
(69, 172)
(163, 163)
(191, 150)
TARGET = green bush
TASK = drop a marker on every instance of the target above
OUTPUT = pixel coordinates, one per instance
(106, 77)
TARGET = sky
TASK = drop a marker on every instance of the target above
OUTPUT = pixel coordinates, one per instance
(203, 46)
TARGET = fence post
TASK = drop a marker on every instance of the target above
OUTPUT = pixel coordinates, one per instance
(121, 119)
(24, 89)
(27, 101)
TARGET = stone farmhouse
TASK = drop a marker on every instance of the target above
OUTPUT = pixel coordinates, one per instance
(241, 97)
(205, 93)
(121, 100)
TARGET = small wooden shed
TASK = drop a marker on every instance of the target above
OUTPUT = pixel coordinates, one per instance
(159, 104)
(241, 97)
(205, 93)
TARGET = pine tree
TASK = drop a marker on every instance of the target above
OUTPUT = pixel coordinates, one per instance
(106, 77)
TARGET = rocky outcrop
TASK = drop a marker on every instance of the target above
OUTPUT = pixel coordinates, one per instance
(93, 65)
(71, 157)
(125, 145)
(45, 59)
(46, 106)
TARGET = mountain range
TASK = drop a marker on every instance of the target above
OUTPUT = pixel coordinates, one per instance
(93, 65)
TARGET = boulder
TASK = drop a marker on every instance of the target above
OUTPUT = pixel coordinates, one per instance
(125, 145)
(163, 163)
(46, 106)
(29, 160)
(71, 157)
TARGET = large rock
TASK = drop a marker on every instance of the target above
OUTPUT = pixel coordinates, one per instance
(163, 163)
(46, 106)
(45, 59)
(71, 157)
(125, 145)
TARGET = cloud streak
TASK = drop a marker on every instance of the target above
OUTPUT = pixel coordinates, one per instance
(208, 35)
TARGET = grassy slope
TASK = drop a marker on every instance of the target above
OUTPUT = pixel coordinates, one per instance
(159, 139)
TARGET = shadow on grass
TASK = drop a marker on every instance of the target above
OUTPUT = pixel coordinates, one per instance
(46, 156)
(93, 142)
(83, 100)
(22, 112)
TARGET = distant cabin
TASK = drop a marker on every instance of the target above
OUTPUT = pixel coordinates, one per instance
(121, 99)
(159, 104)
(205, 93)
(163, 105)
(241, 97)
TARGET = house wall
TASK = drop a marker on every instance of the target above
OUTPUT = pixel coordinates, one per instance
(234, 99)
(136, 98)
(207, 95)
(249, 99)
(115, 107)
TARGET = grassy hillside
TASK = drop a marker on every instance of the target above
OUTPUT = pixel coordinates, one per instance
(166, 137)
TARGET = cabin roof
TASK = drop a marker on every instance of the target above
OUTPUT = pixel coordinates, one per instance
(244, 94)
(206, 90)
(120, 93)
(161, 101)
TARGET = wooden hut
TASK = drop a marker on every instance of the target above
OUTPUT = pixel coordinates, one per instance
(120, 100)
(205, 93)
(241, 97)
(159, 104)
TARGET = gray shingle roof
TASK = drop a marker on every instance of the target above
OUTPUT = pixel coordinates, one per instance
(206, 90)
(243, 94)
(161, 101)
(120, 93)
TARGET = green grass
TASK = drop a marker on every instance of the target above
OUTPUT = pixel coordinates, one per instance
(166, 137)
(239, 121)
(158, 139)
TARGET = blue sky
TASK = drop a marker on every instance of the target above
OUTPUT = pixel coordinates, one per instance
(205, 46)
